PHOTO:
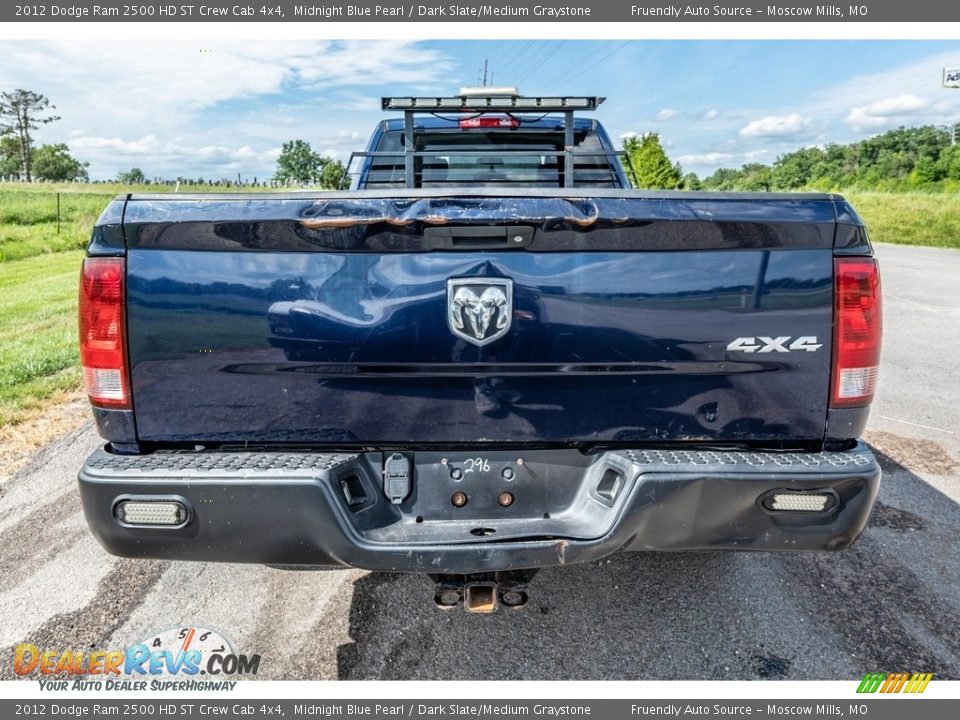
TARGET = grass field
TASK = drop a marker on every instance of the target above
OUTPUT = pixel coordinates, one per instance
(39, 270)
(28, 214)
(38, 323)
(28, 221)
(910, 218)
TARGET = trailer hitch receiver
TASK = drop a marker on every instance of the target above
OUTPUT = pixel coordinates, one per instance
(483, 593)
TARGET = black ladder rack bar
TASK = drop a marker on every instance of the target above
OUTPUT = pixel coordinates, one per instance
(509, 104)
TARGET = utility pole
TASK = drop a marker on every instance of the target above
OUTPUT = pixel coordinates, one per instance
(484, 73)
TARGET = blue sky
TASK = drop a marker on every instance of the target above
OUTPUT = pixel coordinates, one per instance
(224, 107)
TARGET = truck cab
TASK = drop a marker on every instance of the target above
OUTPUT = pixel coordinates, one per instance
(490, 151)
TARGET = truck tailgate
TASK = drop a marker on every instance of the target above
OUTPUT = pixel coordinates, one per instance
(632, 318)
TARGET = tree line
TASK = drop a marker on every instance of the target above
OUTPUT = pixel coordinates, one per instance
(24, 111)
(907, 158)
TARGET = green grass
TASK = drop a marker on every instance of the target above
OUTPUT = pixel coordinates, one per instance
(910, 218)
(28, 213)
(38, 324)
(28, 221)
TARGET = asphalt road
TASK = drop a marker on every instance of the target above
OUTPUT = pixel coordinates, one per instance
(890, 603)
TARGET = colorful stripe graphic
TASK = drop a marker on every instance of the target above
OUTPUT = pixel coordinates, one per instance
(894, 682)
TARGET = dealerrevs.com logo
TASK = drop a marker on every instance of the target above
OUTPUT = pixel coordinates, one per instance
(183, 658)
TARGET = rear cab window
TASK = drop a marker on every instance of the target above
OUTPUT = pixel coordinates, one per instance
(478, 158)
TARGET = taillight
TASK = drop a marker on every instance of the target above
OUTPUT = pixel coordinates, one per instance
(857, 329)
(102, 332)
(489, 122)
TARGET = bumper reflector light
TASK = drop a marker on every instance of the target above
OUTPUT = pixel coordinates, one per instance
(856, 383)
(104, 384)
(151, 512)
(799, 502)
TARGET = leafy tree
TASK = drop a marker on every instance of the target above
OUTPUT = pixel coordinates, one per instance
(9, 156)
(797, 169)
(133, 176)
(298, 164)
(900, 159)
(723, 179)
(649, 166)
(949, 162)
(756, 177)
(22, 111)
(54, 162)
(333, 174)
(925, 171)
(691, 182)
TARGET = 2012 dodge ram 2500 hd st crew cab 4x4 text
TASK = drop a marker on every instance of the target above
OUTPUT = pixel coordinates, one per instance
(489, 356)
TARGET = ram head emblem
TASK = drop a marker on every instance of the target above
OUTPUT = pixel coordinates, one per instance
(479, 311)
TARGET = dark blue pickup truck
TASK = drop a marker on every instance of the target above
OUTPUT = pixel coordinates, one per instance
(489, 356)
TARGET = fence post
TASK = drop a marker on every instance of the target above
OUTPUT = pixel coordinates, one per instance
(58, 213)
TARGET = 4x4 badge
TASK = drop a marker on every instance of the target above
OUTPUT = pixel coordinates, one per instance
(479, 310)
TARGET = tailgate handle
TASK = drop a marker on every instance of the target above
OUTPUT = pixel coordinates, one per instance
(479, 238)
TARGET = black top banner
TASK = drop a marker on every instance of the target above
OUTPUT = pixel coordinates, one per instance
(479, 11)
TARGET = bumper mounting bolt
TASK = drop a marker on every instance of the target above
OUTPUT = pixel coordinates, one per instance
(505, 499)
(448, 598)
(459, 499)
(514, 598)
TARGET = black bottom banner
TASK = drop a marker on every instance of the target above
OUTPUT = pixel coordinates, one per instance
(874, 708)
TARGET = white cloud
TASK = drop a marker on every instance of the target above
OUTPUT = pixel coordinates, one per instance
(912, 96)
(172, 159)
(335, 153)
(175, 80)
(909, 94)
(776, 126)
(710, 158)
(900, 105)
(859, 120)
(384, 62)
(718, 158)
(129, 99)
(886, 112)
(141, 146)
(667, 114)
(629, 134)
